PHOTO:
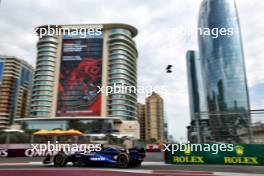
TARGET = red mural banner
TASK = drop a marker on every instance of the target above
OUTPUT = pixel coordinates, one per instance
(80, 77)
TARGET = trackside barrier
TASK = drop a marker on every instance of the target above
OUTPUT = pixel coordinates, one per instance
(242, 154)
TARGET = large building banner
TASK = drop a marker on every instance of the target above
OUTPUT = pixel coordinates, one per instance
(243, 154)
(80, 76)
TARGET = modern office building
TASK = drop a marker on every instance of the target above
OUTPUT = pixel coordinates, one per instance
(154, 120)
(141, 108)
(15, 89)
(224, 69)
(199, 132)
(76, 64)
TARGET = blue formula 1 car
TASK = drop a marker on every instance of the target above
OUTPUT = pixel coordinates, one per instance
(106, 157)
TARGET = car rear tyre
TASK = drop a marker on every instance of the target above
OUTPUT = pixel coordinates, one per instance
(122, 160)
(60, 160)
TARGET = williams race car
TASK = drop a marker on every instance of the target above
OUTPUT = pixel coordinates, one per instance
(106, 157)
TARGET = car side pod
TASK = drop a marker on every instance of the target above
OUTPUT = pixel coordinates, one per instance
(122, 160)
(60, 160)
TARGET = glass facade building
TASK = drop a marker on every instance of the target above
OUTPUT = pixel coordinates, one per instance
(224, 68)
(197, 98)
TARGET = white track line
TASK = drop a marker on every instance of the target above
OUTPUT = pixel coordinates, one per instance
(135, 171)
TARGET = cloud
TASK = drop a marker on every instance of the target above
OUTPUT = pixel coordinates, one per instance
(158, 42)
(251, 13)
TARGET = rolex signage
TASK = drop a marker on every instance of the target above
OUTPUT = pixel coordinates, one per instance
(242, 154)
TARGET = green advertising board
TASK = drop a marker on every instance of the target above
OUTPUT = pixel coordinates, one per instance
(242, 154)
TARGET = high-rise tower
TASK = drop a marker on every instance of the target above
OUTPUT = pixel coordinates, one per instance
(154, 118)
(15, 89)
(74, 63)
(198, 106)
(224, 69)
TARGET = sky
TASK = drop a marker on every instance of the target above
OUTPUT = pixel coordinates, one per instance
(159, 41)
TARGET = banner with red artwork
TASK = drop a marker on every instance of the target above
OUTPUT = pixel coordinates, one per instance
(80, 76)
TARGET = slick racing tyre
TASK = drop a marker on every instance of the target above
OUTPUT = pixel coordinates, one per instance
(60, 160)
(122, 160)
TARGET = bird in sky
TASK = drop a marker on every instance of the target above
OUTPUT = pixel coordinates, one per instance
(169, 68)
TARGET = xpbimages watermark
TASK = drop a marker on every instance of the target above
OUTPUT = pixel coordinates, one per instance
(82, 32)
(188, 147)
(53, 148)
(124, 89)
(191, 31)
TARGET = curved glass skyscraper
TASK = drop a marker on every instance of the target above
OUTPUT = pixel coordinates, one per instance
(224, 68)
